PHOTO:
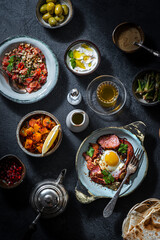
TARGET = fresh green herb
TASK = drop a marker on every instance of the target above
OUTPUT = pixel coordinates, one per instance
(72, 59)
(70, 53)
(123, 148)
(73, 62)
(28, 71)
(90, 152)
(11, 63)
(12, 58)
(10, 67)
(148, 86)
(107, 176)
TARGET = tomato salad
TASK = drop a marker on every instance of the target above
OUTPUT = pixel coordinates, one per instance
(26, 66)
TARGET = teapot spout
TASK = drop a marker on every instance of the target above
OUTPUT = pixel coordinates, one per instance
(61, 176)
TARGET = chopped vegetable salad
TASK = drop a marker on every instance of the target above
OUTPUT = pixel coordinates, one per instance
(26, 66)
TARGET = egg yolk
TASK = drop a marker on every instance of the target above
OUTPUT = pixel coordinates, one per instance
(111, 158)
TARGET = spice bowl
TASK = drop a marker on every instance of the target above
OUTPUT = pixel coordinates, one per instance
(97, 103)
(144, 85)
(82, 57)
(37, 118)
(12, 171)
(126, 34)
(67, 18)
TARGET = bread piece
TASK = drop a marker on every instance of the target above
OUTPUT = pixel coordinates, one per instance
(138, 214)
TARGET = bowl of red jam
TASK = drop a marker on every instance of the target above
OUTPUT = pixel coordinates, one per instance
(12, 171)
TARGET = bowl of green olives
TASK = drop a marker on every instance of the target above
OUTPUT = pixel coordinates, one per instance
(54, 13)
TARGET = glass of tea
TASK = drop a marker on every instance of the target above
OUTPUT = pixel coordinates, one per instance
(107, 93)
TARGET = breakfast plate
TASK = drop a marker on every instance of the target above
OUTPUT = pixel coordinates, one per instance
(87, 190)
(52, 68)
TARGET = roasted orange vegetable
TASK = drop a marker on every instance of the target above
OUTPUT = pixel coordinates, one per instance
(37, 127)
(29, 131)
(47, 122)
(34, 132)
(43, 130)
(23, 132)
(28, 143)
(39, 147)
(37, 137)
(32, 122)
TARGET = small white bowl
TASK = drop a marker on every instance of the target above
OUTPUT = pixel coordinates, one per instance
(77, 44)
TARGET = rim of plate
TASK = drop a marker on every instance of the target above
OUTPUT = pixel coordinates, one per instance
(36, 99)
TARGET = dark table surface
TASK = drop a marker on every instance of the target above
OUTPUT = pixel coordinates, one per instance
(95, 21)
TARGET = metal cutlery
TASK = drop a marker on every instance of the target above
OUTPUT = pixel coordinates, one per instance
(155, 53)
(131, 168)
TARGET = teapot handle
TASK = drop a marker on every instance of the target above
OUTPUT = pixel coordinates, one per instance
(61, 176)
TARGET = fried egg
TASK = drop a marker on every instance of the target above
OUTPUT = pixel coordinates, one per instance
(111, 162)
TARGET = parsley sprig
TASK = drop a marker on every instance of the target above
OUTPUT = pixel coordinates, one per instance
(11, 63)
(107, 176)
(90, 152)
(72, 59)
(123, 148)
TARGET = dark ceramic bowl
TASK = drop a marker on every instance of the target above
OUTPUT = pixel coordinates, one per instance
(120, 28)
(66, 60)
(135, 85)
(66, 20)
(35, 114)
(7, 164)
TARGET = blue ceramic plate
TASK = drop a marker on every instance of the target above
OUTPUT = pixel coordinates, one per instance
(52, 67)
(87, 190)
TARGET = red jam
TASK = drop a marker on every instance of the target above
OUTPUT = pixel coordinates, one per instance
(11, 170)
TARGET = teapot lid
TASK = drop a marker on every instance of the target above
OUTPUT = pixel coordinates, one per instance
(50, 197)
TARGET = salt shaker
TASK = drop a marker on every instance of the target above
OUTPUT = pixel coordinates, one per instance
(74, 97)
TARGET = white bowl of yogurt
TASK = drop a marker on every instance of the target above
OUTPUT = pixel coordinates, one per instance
(82, 57)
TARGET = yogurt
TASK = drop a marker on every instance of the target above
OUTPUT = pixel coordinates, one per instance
(82, 58)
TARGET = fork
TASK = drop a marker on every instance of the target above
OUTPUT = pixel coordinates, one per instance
(131, 168)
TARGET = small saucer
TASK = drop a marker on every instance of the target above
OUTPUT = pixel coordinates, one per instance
(93, 102)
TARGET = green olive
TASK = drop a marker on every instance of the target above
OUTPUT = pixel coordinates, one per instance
(50, 7)
(65, 9)
(54, 1)
(46, 16)
(52, 21)
(58, 10)
(43, 8)
(59, 18)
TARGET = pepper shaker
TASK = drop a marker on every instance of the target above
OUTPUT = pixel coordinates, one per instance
(74, 97)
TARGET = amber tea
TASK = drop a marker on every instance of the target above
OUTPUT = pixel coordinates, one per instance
(107, 94)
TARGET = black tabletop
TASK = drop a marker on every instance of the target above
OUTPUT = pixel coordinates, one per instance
(94, 21)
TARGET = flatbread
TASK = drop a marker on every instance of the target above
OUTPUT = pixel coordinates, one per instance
(143, 221)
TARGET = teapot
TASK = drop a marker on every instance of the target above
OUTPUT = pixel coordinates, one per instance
(49, 198)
